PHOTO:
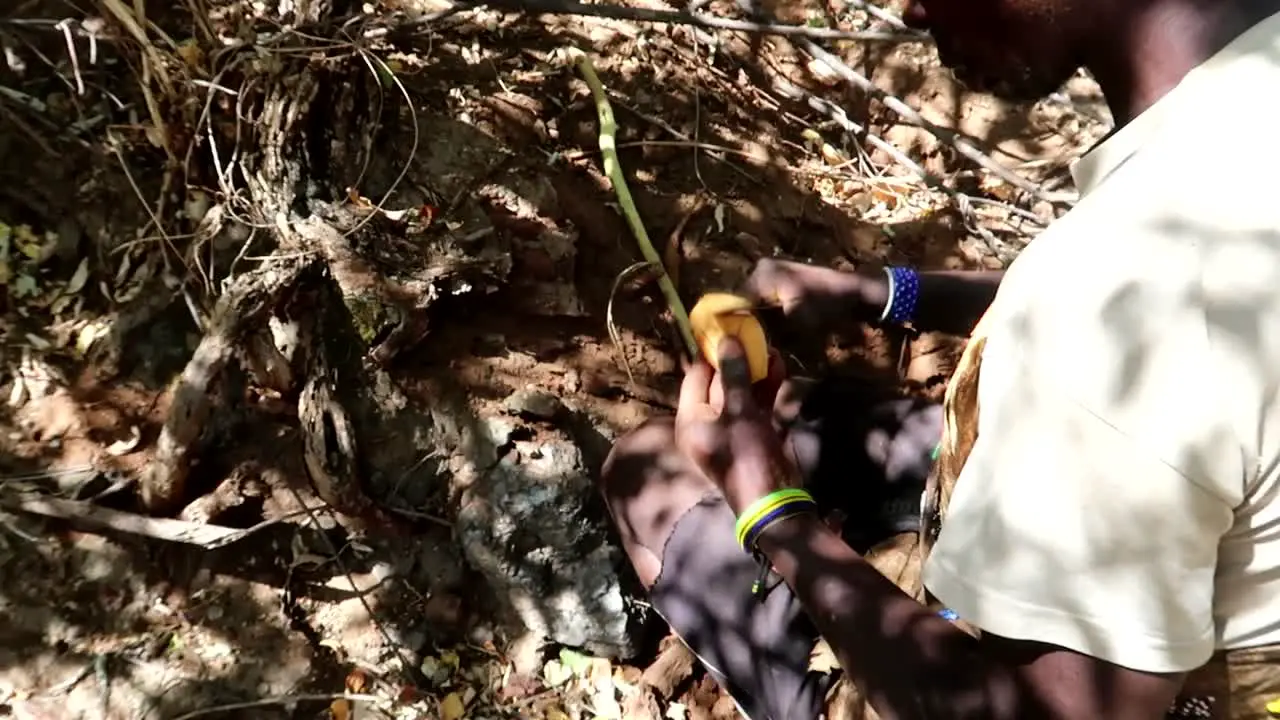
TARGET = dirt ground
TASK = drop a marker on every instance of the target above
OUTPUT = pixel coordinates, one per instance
(102, 312)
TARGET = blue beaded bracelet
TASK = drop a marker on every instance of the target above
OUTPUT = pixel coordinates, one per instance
(904, 291)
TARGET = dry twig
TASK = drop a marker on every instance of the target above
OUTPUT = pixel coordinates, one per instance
(92, 517)
(783, 87)
(675, 17)
(962, 145)
(280, 700)
(614, 335)
(908, 113)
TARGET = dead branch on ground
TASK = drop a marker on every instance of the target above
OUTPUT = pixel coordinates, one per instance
(87, 516)
(678, 17)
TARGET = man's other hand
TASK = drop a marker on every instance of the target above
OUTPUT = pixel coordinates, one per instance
(724, 425)
(814, 297)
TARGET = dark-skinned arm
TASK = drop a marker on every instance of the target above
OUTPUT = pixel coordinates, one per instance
(820, 298)
(951, 301)
(914, 664)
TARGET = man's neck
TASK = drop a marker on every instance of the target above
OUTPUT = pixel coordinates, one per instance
(1159, 44)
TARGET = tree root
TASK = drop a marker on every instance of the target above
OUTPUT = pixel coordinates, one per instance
(246, 303)
(292, 324)
(330, 445)
(232, 492)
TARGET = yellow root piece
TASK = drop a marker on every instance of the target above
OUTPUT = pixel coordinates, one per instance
(720, 315)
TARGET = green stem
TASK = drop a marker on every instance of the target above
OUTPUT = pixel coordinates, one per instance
(613, 169)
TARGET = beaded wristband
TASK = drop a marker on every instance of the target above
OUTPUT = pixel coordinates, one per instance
(769, 509)
(904, 291)
(763, 506)
(791, 508)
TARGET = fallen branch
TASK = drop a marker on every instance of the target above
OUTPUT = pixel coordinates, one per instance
(287, 700)
(95, 518)
(908, 113)
(613, 168)
(777, 88)
(419, 21)
(677, 17)
(1002, 250)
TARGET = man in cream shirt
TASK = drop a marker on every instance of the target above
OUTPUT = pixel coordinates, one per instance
(1123, 496)
(1114, 531)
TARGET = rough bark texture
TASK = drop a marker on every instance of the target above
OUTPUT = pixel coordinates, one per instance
(283, 162)
(246, 303)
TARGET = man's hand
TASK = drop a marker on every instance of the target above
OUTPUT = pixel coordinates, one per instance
(815, 297)
(725, 424)
(820, 299)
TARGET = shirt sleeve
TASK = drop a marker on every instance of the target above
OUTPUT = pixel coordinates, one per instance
(1068, 527)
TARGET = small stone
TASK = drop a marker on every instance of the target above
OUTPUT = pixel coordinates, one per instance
(435, 671)
(535, 403)
(572, 380)
(498, 431)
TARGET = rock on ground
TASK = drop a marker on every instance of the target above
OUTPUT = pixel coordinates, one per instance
(533, 525)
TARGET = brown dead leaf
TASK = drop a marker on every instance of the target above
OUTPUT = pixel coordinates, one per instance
(672, 667)
(882, 194)
(519, 686)
(340, 709)
(357, 682)
(191, 54)
(673, 253)
(997, 188)
(832, 155)
(628, 674)
(360, 201)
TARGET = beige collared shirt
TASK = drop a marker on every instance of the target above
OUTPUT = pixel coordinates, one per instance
(1123, 497)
